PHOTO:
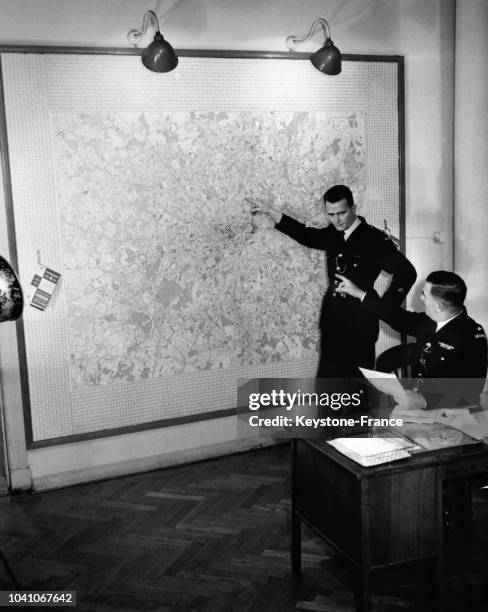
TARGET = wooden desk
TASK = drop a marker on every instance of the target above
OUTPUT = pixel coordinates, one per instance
(377, 517)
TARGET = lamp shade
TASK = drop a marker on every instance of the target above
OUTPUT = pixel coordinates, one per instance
(159, 56)
(11, 298)
(327, 59)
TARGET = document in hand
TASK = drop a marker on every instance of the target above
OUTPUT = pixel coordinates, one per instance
(387, 383)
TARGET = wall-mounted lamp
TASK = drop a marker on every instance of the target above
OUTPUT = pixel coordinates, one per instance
(328, 58)
(159, 56)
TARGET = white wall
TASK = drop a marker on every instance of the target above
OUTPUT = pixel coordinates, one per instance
(421, 30)
(471, 153)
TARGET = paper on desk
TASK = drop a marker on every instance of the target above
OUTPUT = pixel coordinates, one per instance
(387, 383)
(453, 416)
(413, 416)
(474, 425)
(447, 416)
(435, 436)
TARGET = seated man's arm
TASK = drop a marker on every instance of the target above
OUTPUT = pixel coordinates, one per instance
(473, 364)
(411, 323)
(476, 361)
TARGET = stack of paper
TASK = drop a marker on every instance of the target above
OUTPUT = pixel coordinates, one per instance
(372, 451)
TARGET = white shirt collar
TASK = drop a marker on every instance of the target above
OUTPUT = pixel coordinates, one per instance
(351, 228)
(440, 324)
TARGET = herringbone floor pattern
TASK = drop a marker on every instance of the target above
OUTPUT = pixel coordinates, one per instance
(211, 536)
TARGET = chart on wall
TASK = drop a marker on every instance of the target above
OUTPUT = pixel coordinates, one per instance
(158, 240)
(132, 185)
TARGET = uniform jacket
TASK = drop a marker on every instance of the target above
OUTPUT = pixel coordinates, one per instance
(450, 362)
(361, 258)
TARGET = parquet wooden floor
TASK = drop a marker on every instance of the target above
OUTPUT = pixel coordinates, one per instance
(212, 536)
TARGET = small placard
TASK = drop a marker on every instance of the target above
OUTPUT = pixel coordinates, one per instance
(45, 281)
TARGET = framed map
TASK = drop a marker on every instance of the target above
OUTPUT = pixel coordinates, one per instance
(170, 290)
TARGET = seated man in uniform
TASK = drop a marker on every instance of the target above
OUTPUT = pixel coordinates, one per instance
(451, 358)
(450, 365)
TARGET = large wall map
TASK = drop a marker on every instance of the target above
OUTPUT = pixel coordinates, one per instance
(165, 272)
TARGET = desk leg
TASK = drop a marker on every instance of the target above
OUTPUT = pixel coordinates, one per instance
(363, 580)
(296, 545)
(439, 545)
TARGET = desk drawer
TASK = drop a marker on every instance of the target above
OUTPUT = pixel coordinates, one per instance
(400, 510)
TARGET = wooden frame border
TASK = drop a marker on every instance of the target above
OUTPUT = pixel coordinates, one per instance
(210, 53)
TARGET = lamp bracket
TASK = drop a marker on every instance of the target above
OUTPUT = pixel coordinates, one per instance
(150, 18)
(293, 41)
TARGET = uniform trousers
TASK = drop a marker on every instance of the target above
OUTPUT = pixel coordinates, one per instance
(340, 355)
(338, 370)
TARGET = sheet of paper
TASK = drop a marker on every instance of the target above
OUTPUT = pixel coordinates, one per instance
(412, 416)
(387, 383)
(435, 436)
(473, 424)
(477, 427)
(445, 414)
(454, 417)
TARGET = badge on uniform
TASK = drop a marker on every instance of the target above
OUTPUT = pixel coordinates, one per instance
(446, 346)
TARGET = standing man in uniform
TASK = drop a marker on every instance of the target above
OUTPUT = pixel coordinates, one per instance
(450, 360)
(361, 251)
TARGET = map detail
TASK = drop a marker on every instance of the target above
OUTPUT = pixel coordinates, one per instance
(165, 270)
